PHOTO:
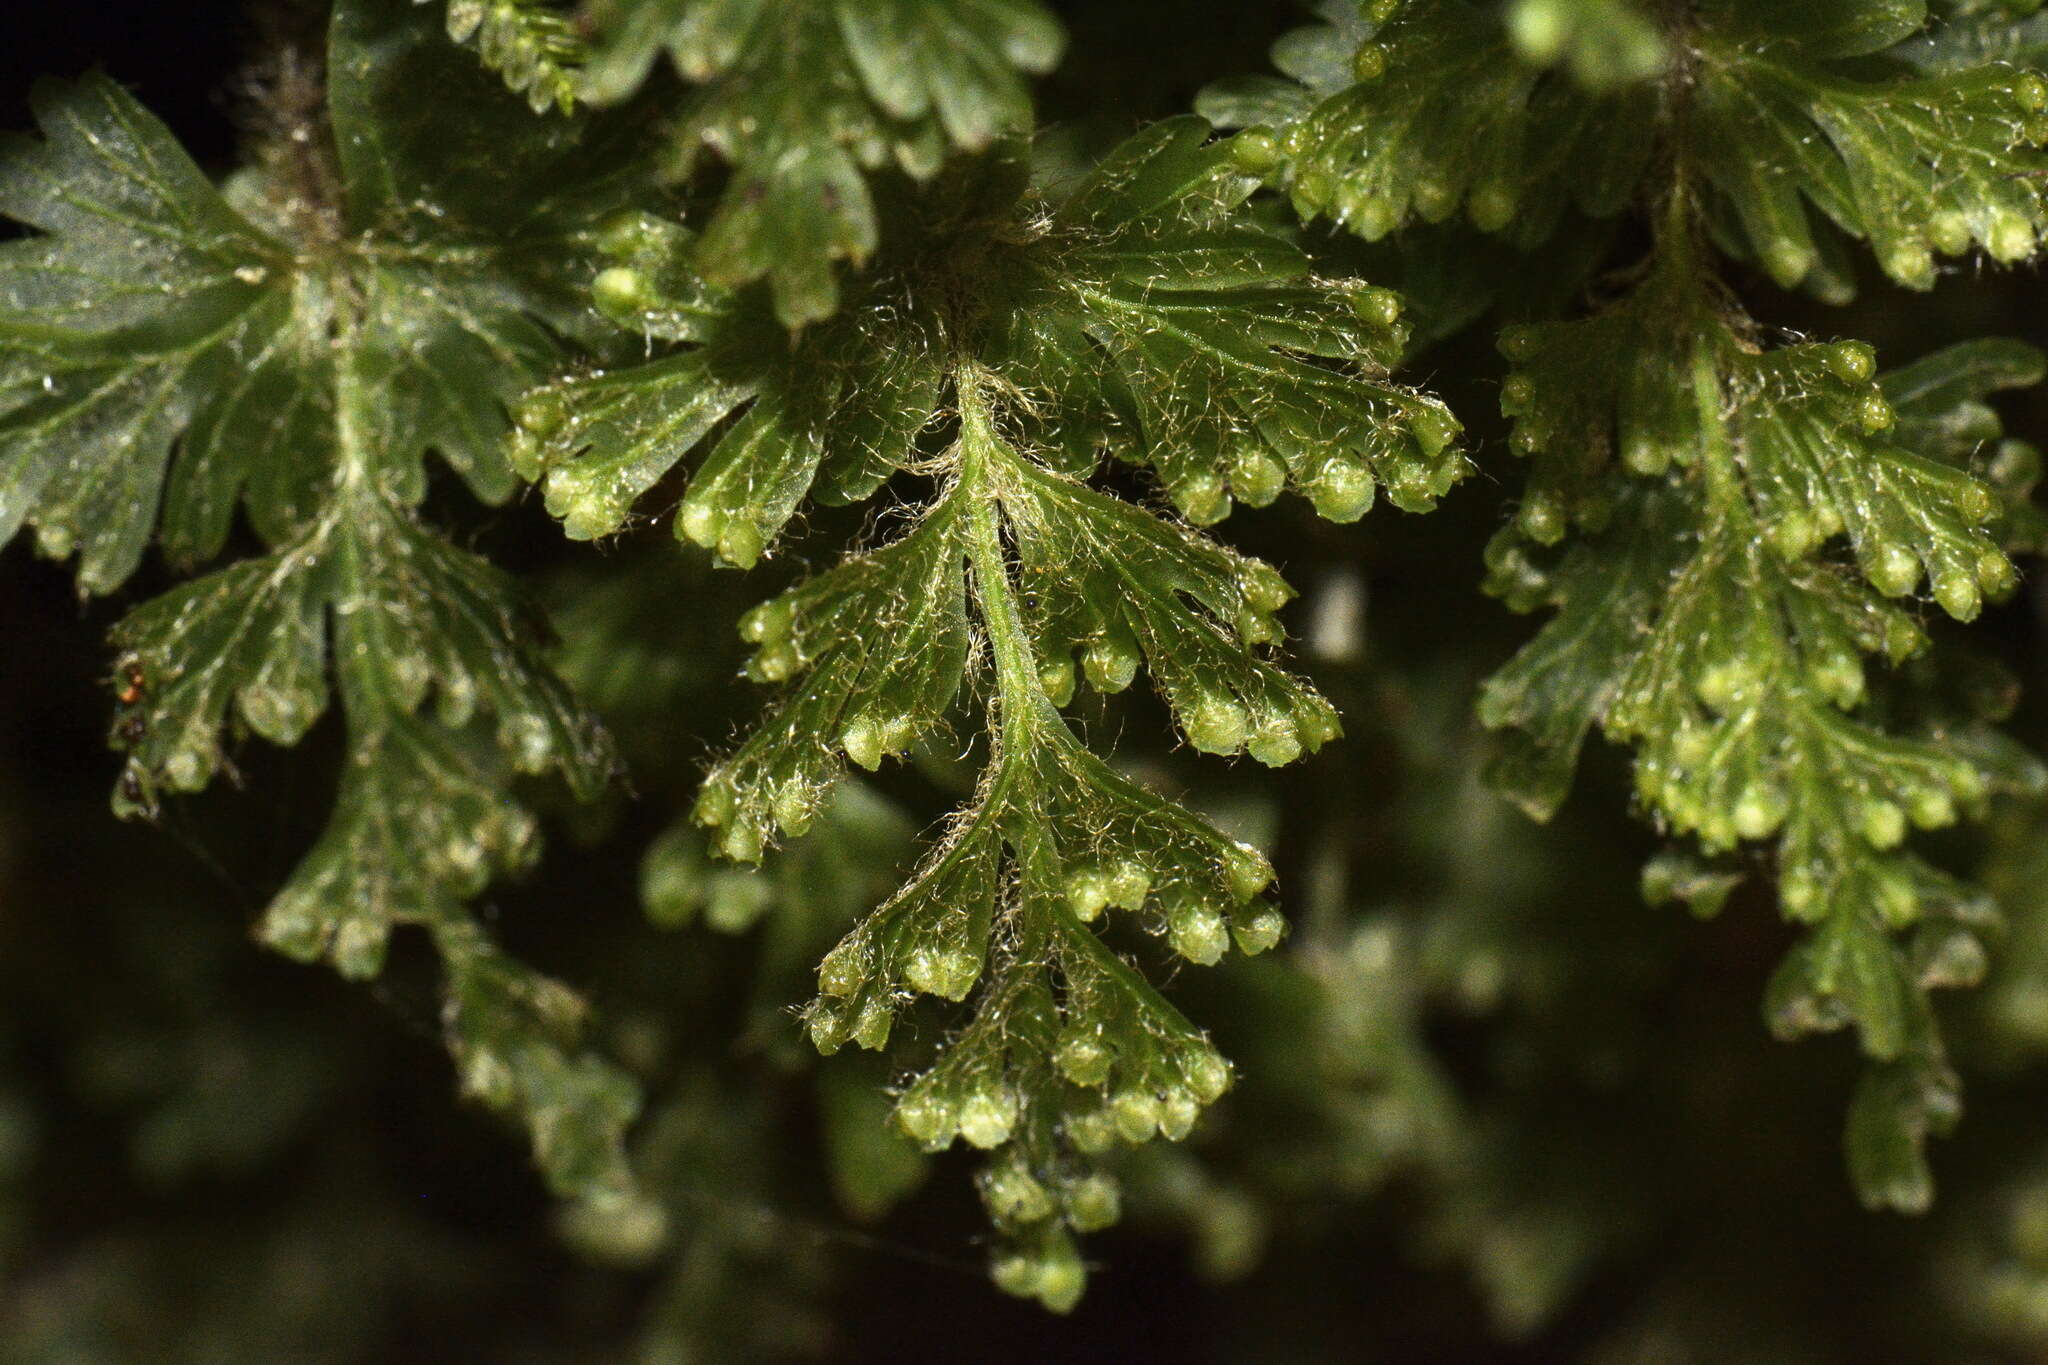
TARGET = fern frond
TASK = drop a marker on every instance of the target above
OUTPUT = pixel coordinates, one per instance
(532, 44)
(1753, 518)
(167, 361)
(807, 101)
(1782, 112)
(1145, 316)
(1426, 109)
(1712, 624)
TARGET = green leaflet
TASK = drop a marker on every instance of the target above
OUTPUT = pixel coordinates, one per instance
(1744, 556)
(806, 100)
(1752, 518)
(120, 324)
(169, 354)
(1426, 109)
(620, 649)
(149, 309)
(531, 44)
(1069, 1051)
(1145, 317)
(1788, 111)
(1914, 167)
(862, 695)
(1562, 682)
(1942, 415)
(517, 1041)
(1113, 584)
(406, 617)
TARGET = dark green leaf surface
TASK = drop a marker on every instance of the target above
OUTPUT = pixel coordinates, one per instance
(1145, 316)
(164, 361)
(1743, 558)
(120, 324)
(1425, 108)
(531, 44)
(805, 100)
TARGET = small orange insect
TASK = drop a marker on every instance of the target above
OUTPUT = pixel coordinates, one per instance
(131, 683)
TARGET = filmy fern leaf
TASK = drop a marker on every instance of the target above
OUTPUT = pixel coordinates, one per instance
(121, 321)
(170, 356)
(1143, 316)
(1425, 109)
(805, 101)
(1796, 120)
(1756, 519)
(532, 44)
